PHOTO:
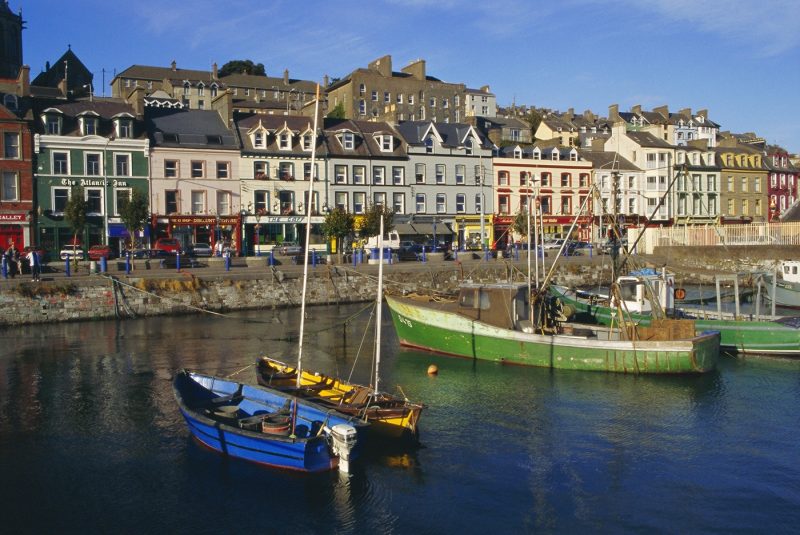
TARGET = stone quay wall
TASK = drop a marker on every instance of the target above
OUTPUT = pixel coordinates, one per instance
(165, 292)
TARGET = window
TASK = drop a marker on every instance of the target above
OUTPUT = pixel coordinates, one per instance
(198, 171)
(504, 204)
(461, 203)
(583, 180)
(60, 163)
(124, 128)
(307, 171)
(10, 187)
(478, 203)
(94, 201)
(340, 174)
(440, 173)
(387, 97)
(348, 141)
(399, 203)
(201, 89)
(379, 198)
(502, 178)
(441, 203)
(566, 205)
(398, 175)
(306, 142)
(461, 173)
(745, 207)
(170, 168)
(362, 89)
(359, 198)
(744, 185)
(261, 170)
(378, 175)
(223, 202)
(362, 107)
(359, 174)
(429, 145)
(419, 173)
(546, 180)
(566, 180)
(286, 170)
(411, 99)
(731, 186)
(731, 207)
(399, 98)
(122, 164)
(53, 124)
(261, 201)
(340, 201)
(757, 184)
(468, 147)
(92, 164)
(60, 199)
(122, 196)
(198, 201)
(284, 141)
(223, 169)
(89, 126)
(386, 143)
(258, 139)
(374, 96)
(171, 201)
(420, 203)
(186, 88)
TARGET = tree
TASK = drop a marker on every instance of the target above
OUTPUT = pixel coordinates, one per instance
(242, 66)
(338, 224)
(534, 118)
(520, 224)
(134, 213)
(337, 112)
(371, 224)
(75, 213)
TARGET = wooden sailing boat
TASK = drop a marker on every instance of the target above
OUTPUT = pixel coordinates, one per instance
(389, 415)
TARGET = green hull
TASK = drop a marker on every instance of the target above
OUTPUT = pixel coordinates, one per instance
(446, 332)
(742, 336)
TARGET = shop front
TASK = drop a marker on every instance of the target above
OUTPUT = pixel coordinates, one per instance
(14, 226)
(467, 228)
(191, 229)
(558, 227)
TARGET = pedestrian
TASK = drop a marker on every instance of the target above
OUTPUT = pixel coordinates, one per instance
(12, 258)
(35, 262)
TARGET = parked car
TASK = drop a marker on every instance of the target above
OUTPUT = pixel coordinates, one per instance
(409, 250)
(96, 252)
(553, 244)
(71, 250)
(171, 245)
(291, 248)
(200, 249)
(580, 248)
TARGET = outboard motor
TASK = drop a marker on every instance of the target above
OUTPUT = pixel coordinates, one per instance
(343, 440)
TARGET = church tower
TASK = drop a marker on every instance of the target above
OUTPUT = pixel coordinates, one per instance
(11, 26)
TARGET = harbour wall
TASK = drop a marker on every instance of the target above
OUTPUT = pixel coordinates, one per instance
(110, 296)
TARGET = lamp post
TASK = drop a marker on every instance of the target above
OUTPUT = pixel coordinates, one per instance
(218, 234)
(243, 213)
(479, 183)
(105, 190)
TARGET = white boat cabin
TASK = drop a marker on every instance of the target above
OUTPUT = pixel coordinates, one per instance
(639, 289)
(790, 270)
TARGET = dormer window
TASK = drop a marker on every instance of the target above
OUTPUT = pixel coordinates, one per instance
(573, 156)
(468, 147)
(554, 155)
(186, 87)
(258, 139)
(89, 126)
(386, 143)
(52, 124)
(124, 128)
(285, 141)
(537, 154)
(517, 153)
(429, 145)
(306, 141)
(348, 141)
(213, 90)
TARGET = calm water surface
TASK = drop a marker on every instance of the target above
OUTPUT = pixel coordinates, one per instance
(91, 440)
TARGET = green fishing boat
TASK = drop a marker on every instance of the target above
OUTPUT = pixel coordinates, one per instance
(739, 333)
(496, 322)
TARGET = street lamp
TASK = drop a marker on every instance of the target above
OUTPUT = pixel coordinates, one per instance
(243, 213)
(105, 188)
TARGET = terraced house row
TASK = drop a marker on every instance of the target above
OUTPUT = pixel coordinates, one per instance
(229, 157)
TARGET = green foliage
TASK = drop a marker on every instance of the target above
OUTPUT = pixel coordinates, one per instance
(134, 213)
(520, 224)
(338, 224)
(534, 118)
(337, 112)
(371, 224)
(242, 66)
(75, 211)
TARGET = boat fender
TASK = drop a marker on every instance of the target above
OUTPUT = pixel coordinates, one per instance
(433, 369)
(680, 293)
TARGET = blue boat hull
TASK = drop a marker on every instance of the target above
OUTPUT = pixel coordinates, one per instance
(305, 448)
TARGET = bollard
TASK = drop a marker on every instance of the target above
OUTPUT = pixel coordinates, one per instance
(5, 267)
(177, 260)
(128, 263)
(590, 250)
(355, 257)
(455, 254)
(313, 258)
(361, 256)
(271, 261)
(424, 257)
(390, 255)
(66, 267)
(103, 264)
(486, 253)
(516, 252)
(227, 262)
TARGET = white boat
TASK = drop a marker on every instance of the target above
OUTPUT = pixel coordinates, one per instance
(783, 287)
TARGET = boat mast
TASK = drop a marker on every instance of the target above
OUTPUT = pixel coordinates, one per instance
(309, 204)
(379, 305)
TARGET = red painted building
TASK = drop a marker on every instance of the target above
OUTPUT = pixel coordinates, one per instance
(16, 174)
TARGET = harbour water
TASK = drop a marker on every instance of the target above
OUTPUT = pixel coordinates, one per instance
(91, 440)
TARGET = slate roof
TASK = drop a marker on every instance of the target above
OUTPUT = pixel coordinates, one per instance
(192, 129)
(274, 124)
(146, 72)
(103, 108)
(646, 139)
(452, 134)
(607, 160)
(365, 143)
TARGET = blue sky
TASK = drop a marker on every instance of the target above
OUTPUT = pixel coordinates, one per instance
(740, 59)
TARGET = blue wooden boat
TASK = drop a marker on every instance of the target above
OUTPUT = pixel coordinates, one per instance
(265, 426)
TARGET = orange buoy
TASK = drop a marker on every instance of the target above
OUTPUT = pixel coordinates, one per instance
(433, 369)
(680, 293)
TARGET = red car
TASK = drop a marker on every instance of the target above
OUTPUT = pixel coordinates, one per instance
(96, 252)
(171, 245)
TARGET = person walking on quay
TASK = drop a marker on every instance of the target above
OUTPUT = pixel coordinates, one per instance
(35, 263)
(12, 260)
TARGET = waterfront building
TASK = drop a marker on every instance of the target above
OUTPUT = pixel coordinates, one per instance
(743, 179)
(619, 185)
(503, 130)
(555, 177)
(379, 93)
(479, 103)
(450, 182)
(194, 174)
(656, 158)
(274, 171)
(697, 188)
(196, 89)
(781, 181)
(99, 144)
